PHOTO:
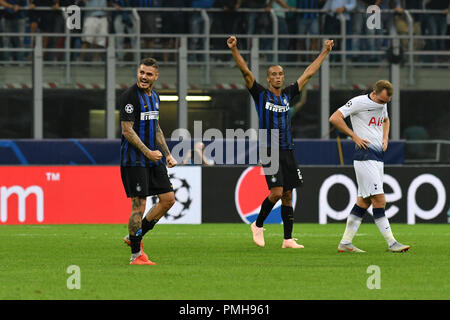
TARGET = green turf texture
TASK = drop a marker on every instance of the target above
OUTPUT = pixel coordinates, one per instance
(220, 261)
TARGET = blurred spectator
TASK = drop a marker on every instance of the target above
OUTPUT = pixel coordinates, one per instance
(371, 43)
(308, 23)
(387, 18)
(75, 41)
(148, 20)
(60, 27)
(258, 22)
(173, 22)
(225, 22)
(197, 156)
(359, 18)
(14, 21)
(448, 31)
(283, 43)
(291, 18)
(437, 24)
(197, 27)
(402, 25)
(360, 27)
(44, 21)
(123, 23)
(6, 5)
(333, 24)
(95, 22)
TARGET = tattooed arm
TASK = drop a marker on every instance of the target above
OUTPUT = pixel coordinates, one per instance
(161, 142)
(133, 138)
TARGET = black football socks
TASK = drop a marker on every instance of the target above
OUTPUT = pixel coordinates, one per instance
(135, 243)
(147, 225)
(287, 215)
(266, 207)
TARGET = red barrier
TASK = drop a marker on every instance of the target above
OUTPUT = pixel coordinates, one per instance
(62, 195)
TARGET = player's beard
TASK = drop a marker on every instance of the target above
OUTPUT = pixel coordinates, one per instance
(146, 86)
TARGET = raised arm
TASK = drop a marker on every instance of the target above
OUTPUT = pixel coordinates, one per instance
(240, 62)
(315, 65)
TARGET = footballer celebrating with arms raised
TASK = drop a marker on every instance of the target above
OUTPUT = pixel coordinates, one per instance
(142, 170)
(272, 106)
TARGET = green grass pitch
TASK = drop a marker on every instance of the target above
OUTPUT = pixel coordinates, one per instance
(220, 261)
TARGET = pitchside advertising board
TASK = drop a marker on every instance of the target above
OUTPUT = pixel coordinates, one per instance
(87, 194)
(414, 194)
(94, 194)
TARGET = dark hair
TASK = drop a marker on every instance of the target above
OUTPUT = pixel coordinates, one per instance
(150, 62)
(273, 65)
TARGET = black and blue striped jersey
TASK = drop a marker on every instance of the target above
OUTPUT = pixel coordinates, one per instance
(273, 112)
(143, 110)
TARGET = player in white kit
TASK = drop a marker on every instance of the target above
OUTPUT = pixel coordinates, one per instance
(370, 122)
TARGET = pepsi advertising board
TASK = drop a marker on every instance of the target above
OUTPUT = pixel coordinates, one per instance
(414, 194)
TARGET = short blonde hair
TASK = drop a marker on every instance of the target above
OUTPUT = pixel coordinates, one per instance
(384, 85)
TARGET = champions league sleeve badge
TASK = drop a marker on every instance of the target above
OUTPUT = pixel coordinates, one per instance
(129, 108)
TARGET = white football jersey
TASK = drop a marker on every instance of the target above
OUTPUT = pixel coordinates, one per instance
(367, 118)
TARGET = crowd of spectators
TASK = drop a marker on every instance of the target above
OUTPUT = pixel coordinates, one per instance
(227, 18)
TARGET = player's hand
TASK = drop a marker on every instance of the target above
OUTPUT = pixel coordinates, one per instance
(171, 162)
(329, 45)
(154, 155)
(385, 144)
(361, 143)
(232, 42)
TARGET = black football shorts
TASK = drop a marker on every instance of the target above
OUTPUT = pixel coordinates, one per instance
(288, 176)
(144, 182)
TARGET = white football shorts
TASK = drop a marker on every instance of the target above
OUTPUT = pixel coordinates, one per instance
(369, 176)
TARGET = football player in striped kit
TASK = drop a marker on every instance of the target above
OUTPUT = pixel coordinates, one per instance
(370, 122)
(272, 106)
(142, 170)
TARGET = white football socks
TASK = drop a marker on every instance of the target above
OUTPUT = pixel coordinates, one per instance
(385, 229)
(353, 223)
